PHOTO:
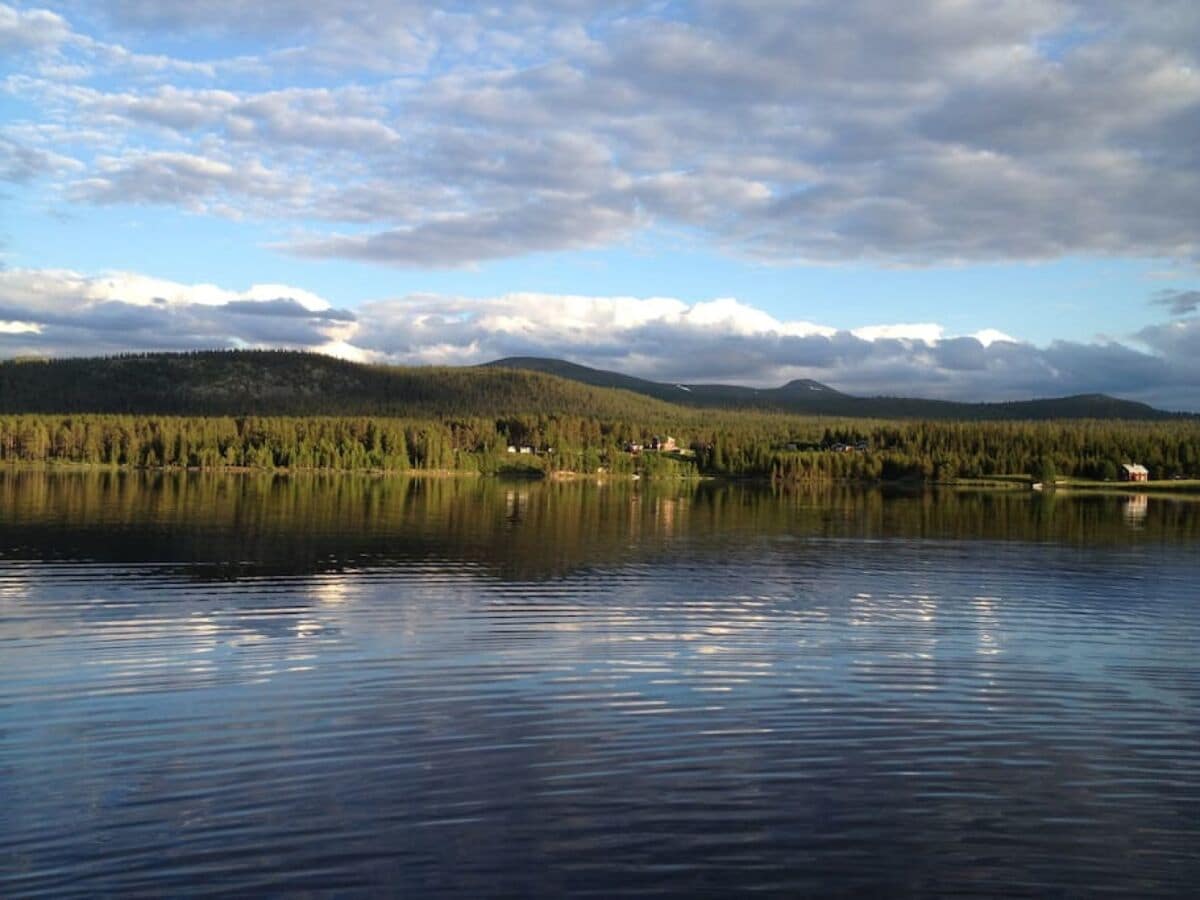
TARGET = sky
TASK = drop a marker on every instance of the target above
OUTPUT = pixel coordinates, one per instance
(961, 199)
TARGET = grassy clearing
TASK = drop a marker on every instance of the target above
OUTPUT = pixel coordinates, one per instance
(1025, 482)
(1169, 486)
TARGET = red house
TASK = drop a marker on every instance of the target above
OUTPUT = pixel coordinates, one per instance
(1134, 472)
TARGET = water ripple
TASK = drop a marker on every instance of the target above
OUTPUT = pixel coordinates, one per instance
(823, 715)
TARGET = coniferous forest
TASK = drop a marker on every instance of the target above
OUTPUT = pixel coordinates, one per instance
(267, 411)
(746, 446)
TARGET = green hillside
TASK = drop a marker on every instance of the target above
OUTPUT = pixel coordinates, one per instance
(272, 409)
(806, 397)
(285, 383)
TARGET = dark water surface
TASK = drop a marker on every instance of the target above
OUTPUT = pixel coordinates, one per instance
(241, 684)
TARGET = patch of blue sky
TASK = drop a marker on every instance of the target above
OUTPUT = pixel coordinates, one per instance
(1057, 45)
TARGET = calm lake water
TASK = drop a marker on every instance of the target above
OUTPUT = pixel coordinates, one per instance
(344, 685)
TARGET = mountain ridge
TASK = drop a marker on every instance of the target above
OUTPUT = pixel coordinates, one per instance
(807, 397)
(295, 383)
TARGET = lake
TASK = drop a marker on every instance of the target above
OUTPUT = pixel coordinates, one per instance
(344, 685)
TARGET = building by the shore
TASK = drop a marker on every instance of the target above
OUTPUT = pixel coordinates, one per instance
(1134, 472)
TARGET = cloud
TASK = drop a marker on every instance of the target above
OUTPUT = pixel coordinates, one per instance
(1180, 303)
(449, 240)
(726, 340)
(181, 179)
(720, 340)
(65, 313)
(1178, 341)
(716, 340)
(20, 163)
(287, 308)
(35, 29)
(376, 35)
(450, 133)
(929, 332)
(19, 327)
(59, 51)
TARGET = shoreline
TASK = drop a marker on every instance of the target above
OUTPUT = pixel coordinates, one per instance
(1011, 483)
(1189, 486)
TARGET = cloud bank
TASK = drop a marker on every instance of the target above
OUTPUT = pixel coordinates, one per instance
(445, 134)
(63, 313)
(663, 338)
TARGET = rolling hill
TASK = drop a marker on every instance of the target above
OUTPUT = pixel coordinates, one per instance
(806, 397)
(262, 382)
(285, 383)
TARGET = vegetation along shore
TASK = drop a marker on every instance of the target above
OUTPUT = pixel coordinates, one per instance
(273, 411)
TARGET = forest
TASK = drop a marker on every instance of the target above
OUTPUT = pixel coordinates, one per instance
(763, 446)
(289, 383)
(282, 410)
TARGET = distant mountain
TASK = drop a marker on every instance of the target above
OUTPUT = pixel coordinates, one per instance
(285, 383)
(823, 398)
(807, 397)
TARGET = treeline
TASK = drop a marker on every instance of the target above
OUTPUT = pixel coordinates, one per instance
(941, 451)
(782, 449)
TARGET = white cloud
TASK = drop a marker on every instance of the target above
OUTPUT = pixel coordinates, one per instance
(663, 338)
(195, 183)
(67, 313)
(926, 332)
(724, 340)
(731, 315)
(20, 328)
(30, 29)
(55, 289)
(989, 336)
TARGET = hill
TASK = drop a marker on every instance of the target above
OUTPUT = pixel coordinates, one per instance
(287, 383)
(270, 409)
(284, 383)
(806, 397)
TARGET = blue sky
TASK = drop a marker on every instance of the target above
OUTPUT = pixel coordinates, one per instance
(967, 200)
